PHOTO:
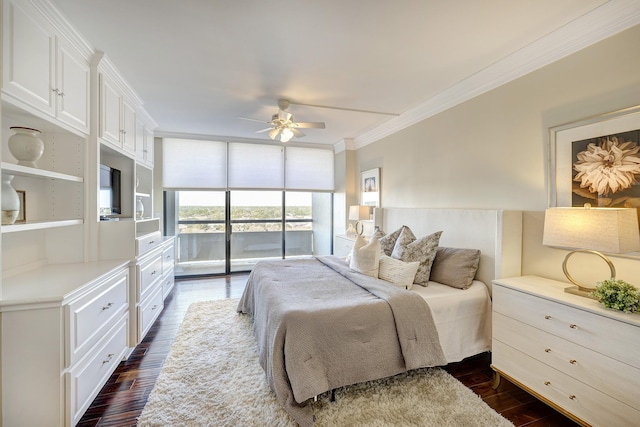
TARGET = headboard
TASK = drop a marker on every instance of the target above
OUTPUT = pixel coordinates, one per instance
(497, 233)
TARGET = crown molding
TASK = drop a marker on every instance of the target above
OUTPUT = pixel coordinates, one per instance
(344, 145)
(602, 22)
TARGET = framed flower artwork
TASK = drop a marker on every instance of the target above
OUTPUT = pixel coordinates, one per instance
(596, 161)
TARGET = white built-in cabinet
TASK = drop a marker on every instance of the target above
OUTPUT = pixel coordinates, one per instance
(42, 69)
(117, 115)
(76, 293)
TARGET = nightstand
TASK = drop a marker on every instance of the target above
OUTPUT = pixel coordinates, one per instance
(567, 350)
(342, 244)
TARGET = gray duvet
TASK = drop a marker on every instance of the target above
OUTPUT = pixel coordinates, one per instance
(320, 325)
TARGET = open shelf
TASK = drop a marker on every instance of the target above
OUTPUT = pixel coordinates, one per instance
(39, 225)
(19, 170)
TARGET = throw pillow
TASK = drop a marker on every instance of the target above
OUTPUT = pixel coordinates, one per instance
(365, 257)
(398, 272)
(389, 241)
(455, 267)
(423, 250)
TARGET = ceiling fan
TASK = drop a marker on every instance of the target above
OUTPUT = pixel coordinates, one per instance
(282, 124)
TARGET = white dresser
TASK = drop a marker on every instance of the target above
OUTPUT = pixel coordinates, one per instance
(567, 350)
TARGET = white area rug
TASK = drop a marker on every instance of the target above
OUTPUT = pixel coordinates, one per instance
(212, 377)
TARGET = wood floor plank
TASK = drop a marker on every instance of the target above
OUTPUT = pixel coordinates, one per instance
(121, 400)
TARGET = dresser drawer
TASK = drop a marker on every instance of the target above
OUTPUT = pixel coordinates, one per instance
(168, 259)
(149, 311)
(84, 381)
(602, 334)
(149, 273)
(89, 316)
(148, 242)
(588, 404)
(610, 376)
(167, 284)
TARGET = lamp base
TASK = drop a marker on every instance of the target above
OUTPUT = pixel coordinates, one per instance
(577, 290)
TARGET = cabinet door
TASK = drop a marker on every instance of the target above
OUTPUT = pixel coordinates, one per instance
(129, 128)
(110, 107)
(73, 76)
(140, 141)
(28, 57)
(148, 146)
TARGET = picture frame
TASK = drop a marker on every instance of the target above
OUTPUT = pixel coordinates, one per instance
(571, 146)
(22, 214)
(370, 187)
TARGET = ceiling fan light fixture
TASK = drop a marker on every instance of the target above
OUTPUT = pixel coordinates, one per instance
(286, 135)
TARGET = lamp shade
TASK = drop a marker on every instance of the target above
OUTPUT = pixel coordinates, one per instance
(358, 213)
(611, 230)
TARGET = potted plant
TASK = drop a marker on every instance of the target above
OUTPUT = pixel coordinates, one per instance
(618, 295)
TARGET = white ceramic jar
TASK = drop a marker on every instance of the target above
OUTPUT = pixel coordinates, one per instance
(26, 145)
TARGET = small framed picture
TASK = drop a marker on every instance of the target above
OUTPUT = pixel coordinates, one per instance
(22, 214)
(371, 187)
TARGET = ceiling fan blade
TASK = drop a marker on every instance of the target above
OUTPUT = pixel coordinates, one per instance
(297, 133)
(253, 120)
(273, 133)
(309, 125)
(263, 130)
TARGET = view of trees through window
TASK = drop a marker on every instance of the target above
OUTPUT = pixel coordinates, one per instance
(204, 211)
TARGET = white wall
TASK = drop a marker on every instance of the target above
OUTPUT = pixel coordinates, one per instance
(491, 151)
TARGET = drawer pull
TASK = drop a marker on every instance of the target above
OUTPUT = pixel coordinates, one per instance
(153, 272)
(154, 307)
(547, 350)
(573, 361)
(107, 307)
(547, 317)
(573, 326)
(547, 383)
(109, 357)
(151, 242)
(572, 397)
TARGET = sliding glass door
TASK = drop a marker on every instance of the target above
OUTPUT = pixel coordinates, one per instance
(256, 228)
(220, 232)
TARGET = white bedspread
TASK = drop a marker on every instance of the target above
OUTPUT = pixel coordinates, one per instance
(462, 317)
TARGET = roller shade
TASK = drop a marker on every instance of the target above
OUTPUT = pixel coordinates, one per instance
(213, 165)
(309, 169)
(194, 164)
(256, 166)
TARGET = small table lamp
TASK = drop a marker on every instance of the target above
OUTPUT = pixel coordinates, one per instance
(359, 213)
(591, 230)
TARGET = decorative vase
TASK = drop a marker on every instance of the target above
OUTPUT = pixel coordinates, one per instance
(139, 208)
(10, 201)
(26, 145)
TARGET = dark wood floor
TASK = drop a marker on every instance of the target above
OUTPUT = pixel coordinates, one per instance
(121, 400)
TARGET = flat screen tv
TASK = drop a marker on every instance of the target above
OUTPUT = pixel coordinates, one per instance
(110, 203)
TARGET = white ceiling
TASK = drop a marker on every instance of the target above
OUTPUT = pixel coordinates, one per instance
(200, 64)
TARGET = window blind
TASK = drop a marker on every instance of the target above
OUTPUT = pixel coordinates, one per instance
(213, 165)
(255, 166)
(194, 164)
(309, 169)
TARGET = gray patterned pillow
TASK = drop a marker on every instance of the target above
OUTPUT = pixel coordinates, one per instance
(389, 241)
(423, 250)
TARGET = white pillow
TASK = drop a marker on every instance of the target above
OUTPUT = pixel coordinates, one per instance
(398, 272)
(365, 257)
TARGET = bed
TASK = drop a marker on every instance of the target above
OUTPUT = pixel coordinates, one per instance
(320, 325)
